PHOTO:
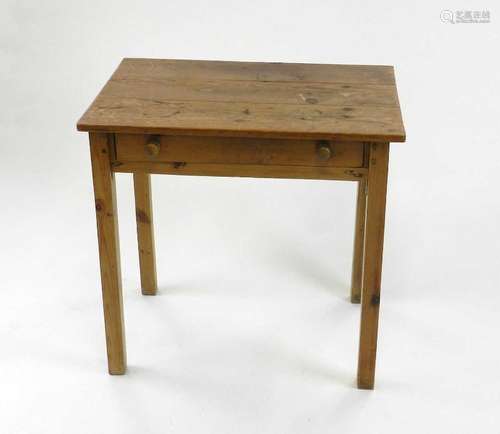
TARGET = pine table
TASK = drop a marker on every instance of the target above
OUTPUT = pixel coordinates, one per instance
(261, 120)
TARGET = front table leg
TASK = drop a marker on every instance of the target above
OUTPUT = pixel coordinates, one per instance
(109, 251)
(372, 268)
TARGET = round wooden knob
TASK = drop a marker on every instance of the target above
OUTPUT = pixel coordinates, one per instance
(152, 148)
(324, 151)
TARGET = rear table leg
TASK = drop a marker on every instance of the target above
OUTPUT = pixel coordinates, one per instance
(145, 233)
(359, 238)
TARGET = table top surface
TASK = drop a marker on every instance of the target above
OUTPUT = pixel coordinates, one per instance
(249, 99)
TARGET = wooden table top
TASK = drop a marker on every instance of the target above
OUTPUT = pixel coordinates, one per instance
(249, 99)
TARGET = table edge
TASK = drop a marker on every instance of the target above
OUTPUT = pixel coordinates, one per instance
(396, 137)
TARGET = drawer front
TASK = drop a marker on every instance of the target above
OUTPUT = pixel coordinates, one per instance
(229, 150)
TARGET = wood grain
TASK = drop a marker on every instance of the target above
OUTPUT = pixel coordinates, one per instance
(245, 99)
(253, 71)
(256, 92)
(237, 150)
(243, 119)
(242, 170)
(359, 238)
(372, 268)
(145, 233)
(109, 251)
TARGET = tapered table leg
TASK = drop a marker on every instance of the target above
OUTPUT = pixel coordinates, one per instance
(372, 268)
(109, 251)
(145, 233)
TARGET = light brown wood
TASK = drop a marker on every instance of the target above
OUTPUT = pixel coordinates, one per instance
(244, 119)
(372, 267)
(236, 150)
(145, 233)
(245, 99)
(320, 93)
(109, 251)
(359, 238)
(174, 69)
(242, 170)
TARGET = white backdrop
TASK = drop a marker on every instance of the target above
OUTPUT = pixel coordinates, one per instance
(252, 331)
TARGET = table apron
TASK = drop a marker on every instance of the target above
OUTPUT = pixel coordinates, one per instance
(242, 170)
(238, 157)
